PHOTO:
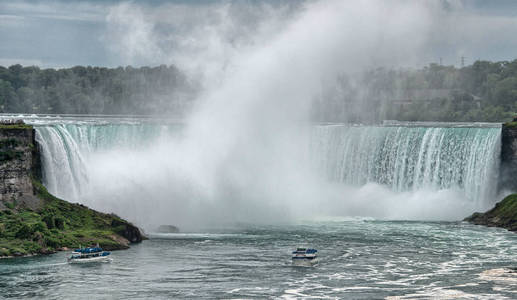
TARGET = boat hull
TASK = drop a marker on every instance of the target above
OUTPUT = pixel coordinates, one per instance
(304, 262)
(304, 256)
(89, 260)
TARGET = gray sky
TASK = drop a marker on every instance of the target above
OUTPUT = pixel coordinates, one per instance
(95, 32)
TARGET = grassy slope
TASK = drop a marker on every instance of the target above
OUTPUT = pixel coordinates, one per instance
(58, 224)
(504, 214)
(15, 126)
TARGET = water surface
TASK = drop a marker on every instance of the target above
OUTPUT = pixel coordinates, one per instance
(359, 259)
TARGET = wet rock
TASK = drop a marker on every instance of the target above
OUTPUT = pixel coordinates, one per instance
(167, 229)
(18, 161)
(504, 215)
(128, 231)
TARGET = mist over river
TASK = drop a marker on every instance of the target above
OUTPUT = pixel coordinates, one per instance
(253, 169)
(150, 172)
(359, 182)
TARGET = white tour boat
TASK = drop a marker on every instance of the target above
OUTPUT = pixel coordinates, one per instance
(90, 254)
(304, 256)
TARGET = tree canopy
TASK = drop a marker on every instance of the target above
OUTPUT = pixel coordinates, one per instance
(483, 91)
(93, 90)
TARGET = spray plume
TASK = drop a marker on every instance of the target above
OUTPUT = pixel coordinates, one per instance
(243, 155)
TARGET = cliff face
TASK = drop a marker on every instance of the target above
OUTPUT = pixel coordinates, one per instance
(32, 220)
(19, 163)
(508, 157)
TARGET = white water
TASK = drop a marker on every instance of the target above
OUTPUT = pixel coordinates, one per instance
(245, 157)
(412, 158)
(382, 172)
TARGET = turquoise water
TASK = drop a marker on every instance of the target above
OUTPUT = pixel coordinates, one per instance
(426, 173)
(408, 158)
(410, 167)
(403, 158)
(359, 259)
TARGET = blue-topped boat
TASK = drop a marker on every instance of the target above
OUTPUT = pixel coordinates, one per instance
(304, 256)
(89, 254)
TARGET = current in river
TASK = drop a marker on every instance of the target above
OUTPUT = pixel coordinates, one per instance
(359, 259)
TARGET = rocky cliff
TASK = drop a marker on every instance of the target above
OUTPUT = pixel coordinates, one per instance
(508, 157)
(504, 215)
(32, 221)
(19, 163)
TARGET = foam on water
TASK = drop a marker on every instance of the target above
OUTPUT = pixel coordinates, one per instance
(142, 170)
(358, 259)
(412, 158)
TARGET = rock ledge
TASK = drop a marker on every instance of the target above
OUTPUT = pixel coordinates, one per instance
(504, 215)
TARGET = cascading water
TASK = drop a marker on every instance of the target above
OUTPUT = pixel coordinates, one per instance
(411, 158)
(67, 148)
(79, 162)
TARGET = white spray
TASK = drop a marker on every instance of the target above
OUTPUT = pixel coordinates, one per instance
(243, 156)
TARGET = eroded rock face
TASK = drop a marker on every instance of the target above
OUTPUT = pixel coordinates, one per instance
(508, 158)
(128, 231)
(504, 215)
(54, 224)
(19, 161)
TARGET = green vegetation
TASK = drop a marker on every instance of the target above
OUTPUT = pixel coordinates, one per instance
(8, 143)
(510, 124)
(10, 155)
(504, 214)
(15, 126)
(483, 91)
(7, 149)
(93, 90)
(10, 205)
(506, 210)
(58, 224)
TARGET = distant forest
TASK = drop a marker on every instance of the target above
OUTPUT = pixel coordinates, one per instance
(93, 90)
(483, 91)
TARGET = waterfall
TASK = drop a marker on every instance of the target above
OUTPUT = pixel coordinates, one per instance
(67, 148)
(78, 161)
(411, 158)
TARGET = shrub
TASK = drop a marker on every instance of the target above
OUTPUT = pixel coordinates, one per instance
(40, 226)
(59, 222)
(49, 220)
(53, 242)
(24, 232)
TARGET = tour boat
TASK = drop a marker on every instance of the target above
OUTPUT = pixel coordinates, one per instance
(304, 256)
(90, 254)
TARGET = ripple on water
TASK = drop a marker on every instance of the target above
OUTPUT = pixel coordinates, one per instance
(358, 260)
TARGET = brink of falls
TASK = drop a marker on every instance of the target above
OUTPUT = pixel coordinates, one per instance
(399, 158)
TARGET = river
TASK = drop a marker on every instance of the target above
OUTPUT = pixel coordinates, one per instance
(359, 259)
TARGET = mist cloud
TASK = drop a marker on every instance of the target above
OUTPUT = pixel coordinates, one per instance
(244, 154)
(200, 39)
(41, 30)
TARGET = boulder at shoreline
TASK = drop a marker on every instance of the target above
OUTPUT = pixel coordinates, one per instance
(504, 215)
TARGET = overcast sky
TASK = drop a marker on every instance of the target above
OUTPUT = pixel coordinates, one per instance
(113, 33)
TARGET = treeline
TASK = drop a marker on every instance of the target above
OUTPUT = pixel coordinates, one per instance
(93, 90)
(484, 91)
